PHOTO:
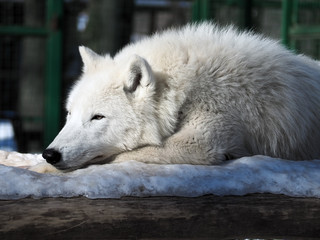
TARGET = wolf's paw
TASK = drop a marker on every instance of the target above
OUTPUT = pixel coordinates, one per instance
(44, 168)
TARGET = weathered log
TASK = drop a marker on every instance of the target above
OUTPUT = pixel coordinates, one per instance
(252, 216)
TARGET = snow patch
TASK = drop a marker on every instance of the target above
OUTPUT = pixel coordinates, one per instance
(257, 174)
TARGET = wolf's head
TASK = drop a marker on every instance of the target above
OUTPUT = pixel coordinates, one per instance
(111, 109)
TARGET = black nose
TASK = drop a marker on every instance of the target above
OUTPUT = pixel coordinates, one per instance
(51, 155)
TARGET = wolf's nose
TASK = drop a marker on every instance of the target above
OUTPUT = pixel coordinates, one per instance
(51, 155)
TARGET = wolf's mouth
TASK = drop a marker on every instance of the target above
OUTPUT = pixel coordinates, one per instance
(97, 158)
(100, 159)
(63, 166)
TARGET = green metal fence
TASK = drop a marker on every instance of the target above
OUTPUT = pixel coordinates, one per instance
(204, 10)
(293, 29)
(51, 32)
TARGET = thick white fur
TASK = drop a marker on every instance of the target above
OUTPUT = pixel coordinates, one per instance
(196, 95)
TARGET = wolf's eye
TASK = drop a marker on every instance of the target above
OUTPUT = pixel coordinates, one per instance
(97, 117)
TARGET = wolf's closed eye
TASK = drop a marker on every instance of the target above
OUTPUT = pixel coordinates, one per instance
(97, 117)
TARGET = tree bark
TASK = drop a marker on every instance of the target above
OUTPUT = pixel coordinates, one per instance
(251, 216)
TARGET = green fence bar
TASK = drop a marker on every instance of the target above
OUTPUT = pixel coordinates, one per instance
(302, 31)
(22, 30)
(201, 10)
(53, 71)
(286, 21)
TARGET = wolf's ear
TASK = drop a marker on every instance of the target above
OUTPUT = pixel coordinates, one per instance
(89, 57)
(139, 75)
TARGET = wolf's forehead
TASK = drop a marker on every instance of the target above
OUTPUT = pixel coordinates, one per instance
(93, 94)
(95, 86)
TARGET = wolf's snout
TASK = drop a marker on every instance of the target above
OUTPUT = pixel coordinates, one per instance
(51, 155)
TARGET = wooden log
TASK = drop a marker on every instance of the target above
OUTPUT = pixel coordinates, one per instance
(230, 217)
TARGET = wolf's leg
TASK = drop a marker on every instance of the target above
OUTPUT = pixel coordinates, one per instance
(186, 147)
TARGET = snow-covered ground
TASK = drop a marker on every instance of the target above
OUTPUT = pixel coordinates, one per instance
(7, 141)
(257, 174)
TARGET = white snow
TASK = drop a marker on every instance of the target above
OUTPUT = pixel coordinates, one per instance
(6, 129)
(257, 174)
(7, 141)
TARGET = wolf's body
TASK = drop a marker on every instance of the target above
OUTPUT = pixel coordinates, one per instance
(198, 95)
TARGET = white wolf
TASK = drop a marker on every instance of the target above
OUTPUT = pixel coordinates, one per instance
(197, 95)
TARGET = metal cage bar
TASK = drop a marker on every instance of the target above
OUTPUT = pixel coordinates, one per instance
(53, 71)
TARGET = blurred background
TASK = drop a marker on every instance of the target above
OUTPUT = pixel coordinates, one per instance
(39, 41)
